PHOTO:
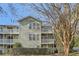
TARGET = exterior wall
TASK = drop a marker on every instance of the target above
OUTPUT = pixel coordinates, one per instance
(24, 35)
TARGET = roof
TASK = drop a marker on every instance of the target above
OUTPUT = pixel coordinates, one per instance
(29, 17)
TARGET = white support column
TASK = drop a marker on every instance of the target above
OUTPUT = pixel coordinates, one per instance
(3, 43)
(10, 41)
(13, 38)
(6, 40)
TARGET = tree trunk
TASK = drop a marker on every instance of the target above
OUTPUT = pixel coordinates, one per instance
(66, 50)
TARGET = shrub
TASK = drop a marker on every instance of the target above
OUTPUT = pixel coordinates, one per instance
(31, 51)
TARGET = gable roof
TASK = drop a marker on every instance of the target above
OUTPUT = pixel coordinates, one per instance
(29, 17)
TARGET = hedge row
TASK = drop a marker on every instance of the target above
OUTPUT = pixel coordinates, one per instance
(31, 51)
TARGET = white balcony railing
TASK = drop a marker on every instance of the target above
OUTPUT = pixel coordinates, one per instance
(47, 29)
(47, 41)
(44, 31)
(9, 31)
(6, 41)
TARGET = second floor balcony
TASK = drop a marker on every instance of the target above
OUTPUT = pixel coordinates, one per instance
(47, 41)
(7, 41)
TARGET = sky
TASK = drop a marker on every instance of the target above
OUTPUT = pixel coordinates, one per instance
(22, 12)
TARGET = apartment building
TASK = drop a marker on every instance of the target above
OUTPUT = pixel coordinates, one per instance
(35, 33)
(8, 36)
(31, 33)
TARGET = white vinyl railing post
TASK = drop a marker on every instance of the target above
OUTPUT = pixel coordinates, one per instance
(3, 43)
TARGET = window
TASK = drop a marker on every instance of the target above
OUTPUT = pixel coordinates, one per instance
(37, 26)
(9, 37)
(33, 36)
(30, 36)
(34, 26)
(30, 26)
(37, 36)
(10, 46)
(1, 36)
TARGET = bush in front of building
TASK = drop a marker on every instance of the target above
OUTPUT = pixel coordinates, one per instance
(17, 45)
(31, 51)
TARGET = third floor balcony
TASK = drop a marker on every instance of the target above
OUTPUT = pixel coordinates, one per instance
(46, 29)
(9, 31)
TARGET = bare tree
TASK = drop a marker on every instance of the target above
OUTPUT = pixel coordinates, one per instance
(2, 11)
(64, 19)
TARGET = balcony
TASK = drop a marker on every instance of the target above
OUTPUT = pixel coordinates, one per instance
(9, 31)
(47, 41)
(6, 41)
(46, 31)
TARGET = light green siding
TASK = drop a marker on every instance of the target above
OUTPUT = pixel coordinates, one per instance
(24, 34)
